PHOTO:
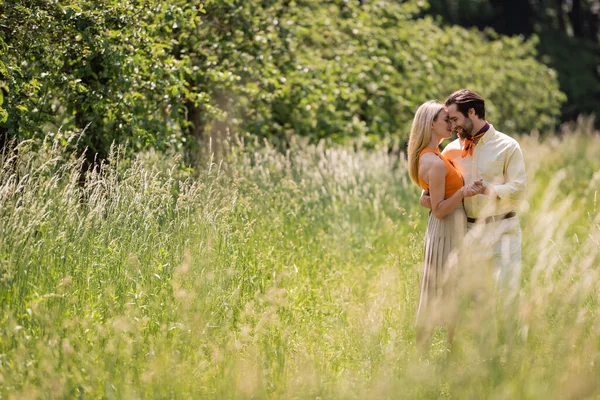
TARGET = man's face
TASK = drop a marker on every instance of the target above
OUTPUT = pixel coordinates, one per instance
(459, 123)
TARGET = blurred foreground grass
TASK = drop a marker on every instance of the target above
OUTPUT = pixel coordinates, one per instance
(279, 276)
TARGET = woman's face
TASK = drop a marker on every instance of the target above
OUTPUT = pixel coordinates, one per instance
(441, 126)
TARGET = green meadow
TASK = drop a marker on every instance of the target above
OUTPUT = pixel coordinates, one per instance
(269, 274)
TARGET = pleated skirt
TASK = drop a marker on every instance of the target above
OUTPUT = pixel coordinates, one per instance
(443, 238)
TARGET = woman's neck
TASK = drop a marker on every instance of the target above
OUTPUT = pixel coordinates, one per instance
(434, 143)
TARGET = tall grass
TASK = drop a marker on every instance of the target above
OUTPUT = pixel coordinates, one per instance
(269, 275)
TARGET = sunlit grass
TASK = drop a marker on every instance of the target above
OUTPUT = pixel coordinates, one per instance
(279, 275)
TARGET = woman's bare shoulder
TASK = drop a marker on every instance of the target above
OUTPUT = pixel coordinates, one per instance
(430, 162)
(431, 159)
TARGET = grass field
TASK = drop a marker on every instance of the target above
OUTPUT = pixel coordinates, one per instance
(270, 275)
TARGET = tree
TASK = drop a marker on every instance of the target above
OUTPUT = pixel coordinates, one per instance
(176, 74)
(569, 39)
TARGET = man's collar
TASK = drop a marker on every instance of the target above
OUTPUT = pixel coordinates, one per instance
(485, 137)
(490, 132)
(483, 129)
(488, 135)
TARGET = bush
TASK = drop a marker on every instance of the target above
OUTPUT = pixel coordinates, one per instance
(163, 73)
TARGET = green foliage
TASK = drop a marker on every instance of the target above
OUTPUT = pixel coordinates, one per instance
(576, 62)
(569, 39)
(366, 73)
(98, 66)
(171, 74)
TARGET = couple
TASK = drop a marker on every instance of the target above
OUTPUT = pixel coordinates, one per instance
(472, 188)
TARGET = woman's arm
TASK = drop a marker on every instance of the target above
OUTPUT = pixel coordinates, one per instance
(437, 187)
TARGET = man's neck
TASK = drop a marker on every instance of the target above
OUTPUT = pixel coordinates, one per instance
(478, 124)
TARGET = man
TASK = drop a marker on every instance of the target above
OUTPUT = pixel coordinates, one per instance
(483, 153)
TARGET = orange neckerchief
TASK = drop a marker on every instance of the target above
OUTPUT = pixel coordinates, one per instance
(469, 144)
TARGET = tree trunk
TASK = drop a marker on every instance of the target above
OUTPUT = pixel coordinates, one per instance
(560, 16)
(577, 20)
(3, 138)
(593, 25)
(194, 117)
(210, 141)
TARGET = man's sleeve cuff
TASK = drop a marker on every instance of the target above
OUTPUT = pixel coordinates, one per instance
(502, 192)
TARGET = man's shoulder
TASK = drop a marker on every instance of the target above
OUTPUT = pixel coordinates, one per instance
(503, 137)
(453, 145)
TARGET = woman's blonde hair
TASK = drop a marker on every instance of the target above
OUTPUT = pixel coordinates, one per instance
(420, 135)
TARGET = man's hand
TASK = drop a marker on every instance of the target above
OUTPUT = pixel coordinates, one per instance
(488, 189)
(473, 189)
(425, 199)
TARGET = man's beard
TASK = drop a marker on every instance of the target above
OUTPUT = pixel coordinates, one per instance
(467, 129)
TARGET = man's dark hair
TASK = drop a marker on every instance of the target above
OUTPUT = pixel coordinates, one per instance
(466, 99)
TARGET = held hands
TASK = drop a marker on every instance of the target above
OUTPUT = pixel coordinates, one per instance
(477, 187)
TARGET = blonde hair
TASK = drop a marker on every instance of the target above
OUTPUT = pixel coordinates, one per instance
(420, 135)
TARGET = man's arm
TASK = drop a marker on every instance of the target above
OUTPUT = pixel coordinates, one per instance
(513, 190)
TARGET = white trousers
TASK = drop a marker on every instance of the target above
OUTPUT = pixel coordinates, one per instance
(498, 244)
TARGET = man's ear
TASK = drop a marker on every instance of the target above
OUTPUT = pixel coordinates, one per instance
(472, 113)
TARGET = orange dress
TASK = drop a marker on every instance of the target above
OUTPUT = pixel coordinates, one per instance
(437, 302)
(454, 180)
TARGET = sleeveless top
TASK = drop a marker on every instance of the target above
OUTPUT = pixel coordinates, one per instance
(454, 180)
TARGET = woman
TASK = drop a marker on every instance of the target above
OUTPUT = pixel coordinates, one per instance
(447, 223)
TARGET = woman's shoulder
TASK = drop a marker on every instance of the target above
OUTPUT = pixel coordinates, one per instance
(431, 158)
(431, 161)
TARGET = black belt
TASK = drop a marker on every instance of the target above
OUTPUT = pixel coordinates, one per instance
(493, 218)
